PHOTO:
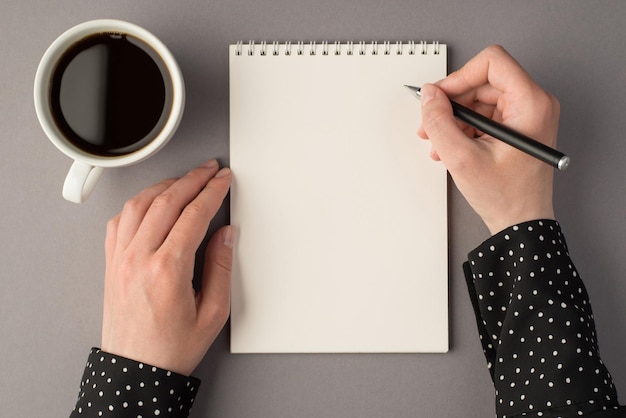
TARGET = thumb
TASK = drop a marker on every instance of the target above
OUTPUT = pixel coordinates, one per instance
(449, 142)
(214, 298)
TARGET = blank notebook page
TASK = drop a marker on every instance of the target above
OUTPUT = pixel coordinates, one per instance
(340, 214)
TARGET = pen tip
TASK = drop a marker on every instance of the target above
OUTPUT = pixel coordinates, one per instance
(414, 90)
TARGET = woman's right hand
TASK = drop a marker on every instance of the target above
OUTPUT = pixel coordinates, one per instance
(502, 184)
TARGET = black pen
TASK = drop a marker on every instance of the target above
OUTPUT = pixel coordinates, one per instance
(515, 139)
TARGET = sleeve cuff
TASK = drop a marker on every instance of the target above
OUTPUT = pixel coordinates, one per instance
(114, 386)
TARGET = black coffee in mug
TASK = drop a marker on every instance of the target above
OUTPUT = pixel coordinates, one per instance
(110, 94)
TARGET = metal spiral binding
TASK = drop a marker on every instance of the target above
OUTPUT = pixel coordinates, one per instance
(337, 48)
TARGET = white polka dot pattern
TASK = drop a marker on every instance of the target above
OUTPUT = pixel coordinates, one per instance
(536, 325)
(114, 386)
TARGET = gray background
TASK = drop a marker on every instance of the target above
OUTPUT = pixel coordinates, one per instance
(51, 251)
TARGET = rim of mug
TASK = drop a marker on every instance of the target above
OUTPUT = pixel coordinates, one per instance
(42, 91)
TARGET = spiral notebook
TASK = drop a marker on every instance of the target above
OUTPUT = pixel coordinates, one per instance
(340, 213)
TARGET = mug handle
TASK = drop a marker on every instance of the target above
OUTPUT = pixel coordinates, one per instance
(80, 181)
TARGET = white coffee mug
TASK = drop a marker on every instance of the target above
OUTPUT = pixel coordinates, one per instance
(88, 167)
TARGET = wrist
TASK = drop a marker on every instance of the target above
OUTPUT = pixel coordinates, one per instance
(525, 204)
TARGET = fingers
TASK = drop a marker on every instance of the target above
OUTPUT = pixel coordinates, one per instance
(134, 211)
(450, 143)
(485, 94)
(214, 298)
(167, 206)
(192, 224)
(493, 66)
(485, 82)
(179, 209)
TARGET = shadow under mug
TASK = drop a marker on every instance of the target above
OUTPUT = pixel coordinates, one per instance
(88, 166)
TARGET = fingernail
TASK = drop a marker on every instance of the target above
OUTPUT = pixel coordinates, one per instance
(223, 172)
(211, 163)
(227, 236)
(427, 93)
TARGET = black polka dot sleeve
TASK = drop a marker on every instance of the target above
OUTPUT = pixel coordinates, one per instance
(536, 325)
(114, 386)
